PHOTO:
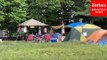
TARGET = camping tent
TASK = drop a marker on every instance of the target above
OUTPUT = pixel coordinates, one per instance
(80, 32)
(32, 22)
(99, 36)
(76, 24)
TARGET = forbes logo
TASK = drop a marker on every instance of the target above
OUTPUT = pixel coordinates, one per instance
(98, 5)
(98, 8)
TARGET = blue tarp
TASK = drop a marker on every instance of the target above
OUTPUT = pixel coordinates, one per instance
(102, 43)
(76, 24)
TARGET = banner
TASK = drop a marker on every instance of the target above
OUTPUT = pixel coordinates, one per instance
(63, 30)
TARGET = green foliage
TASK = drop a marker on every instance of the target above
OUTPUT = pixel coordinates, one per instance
(50, 10)
(82, 7)
(12, 12)
(41, 9)
(15, 10)
(1, 11)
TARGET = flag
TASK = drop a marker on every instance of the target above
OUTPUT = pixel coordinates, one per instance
(20, 29)
(63, 30)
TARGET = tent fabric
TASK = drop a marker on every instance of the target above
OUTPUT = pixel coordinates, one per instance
(89, 31)
(76, 24)
(103, 39)
(98, 36)
(81, 33)
(84, 25)
(86, 31)
(91, 26)
(32, 22)
(72, 35)
(75, 34)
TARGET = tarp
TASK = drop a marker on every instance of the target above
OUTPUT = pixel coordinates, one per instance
(76, 24)
(57, 27)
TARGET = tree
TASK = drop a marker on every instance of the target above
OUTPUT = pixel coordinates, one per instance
(13, 12)
(1, 11)
(57, 10)
(43, 10)
(82, 7)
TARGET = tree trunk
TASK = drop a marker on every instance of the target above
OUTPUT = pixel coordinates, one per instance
(10, 33)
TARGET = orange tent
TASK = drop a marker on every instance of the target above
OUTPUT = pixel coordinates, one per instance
(98, 36)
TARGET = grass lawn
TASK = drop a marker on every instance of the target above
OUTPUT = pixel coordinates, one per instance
(51, 51)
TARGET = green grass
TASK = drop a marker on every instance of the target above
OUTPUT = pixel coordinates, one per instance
(51, 51)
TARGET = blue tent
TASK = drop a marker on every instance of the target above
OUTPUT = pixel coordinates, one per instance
(76, 24)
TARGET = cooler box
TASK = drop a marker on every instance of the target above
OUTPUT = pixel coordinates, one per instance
(53, 40)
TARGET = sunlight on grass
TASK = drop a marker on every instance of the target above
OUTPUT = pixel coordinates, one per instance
(62, 50)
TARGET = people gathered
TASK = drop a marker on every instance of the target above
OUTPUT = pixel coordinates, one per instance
(46, 37)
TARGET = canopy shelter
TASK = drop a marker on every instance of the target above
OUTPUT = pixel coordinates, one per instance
(32, 22)
(37, 26)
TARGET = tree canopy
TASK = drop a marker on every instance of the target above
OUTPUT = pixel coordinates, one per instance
(51, 12)
(12, 12)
